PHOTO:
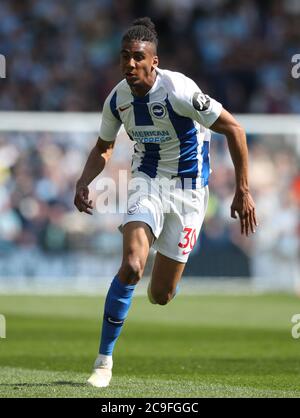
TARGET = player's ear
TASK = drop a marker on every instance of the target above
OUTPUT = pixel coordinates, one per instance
(154, 62)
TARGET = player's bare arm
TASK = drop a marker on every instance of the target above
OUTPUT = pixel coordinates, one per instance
(243, 202)
(95, 164)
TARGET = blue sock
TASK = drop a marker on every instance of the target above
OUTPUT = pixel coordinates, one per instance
(117, 304)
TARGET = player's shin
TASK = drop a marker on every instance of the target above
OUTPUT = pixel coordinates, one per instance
(117, 304)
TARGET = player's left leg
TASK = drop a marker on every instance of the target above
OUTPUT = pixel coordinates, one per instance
(166, 275)
(137, 239)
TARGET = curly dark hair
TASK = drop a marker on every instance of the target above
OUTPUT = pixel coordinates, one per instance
(142, 29)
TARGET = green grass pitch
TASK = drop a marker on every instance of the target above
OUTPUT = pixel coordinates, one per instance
(197, 346)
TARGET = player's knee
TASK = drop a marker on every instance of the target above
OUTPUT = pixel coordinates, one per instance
(131, 271)
(163, 298)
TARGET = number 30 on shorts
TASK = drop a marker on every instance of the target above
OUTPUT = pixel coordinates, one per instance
(189, 240)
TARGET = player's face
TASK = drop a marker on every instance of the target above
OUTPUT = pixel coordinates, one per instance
(138, 62)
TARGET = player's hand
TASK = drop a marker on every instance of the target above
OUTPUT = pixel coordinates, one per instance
(81, 200)
(244, 205)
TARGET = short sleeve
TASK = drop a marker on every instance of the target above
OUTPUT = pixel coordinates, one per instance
(191, 102)
(111, 122)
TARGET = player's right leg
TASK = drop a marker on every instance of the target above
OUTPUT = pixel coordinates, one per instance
(137, 240)
(166, 275)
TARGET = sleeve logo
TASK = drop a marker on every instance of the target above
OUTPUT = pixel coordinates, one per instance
(201, 101)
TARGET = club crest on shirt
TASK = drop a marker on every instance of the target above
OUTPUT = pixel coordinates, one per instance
(158, 110)
(201, 101)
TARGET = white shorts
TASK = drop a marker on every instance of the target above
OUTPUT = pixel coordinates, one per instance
(174, 215)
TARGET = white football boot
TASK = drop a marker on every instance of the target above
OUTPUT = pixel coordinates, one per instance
(102, 372)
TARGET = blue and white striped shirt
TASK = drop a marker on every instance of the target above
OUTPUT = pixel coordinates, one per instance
(169, 126)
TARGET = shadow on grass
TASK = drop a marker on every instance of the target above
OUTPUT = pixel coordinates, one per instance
(29, 385)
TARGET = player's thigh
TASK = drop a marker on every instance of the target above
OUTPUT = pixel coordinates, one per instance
(182, 226)
(166, 274)
(137, 240)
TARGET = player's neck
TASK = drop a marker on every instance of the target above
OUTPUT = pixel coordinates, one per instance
(141, 91)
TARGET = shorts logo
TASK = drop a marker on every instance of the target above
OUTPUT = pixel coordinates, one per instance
(157, 110)
(133, 209)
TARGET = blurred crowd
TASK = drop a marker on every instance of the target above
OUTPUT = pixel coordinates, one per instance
(37, 217)
(63, 55)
